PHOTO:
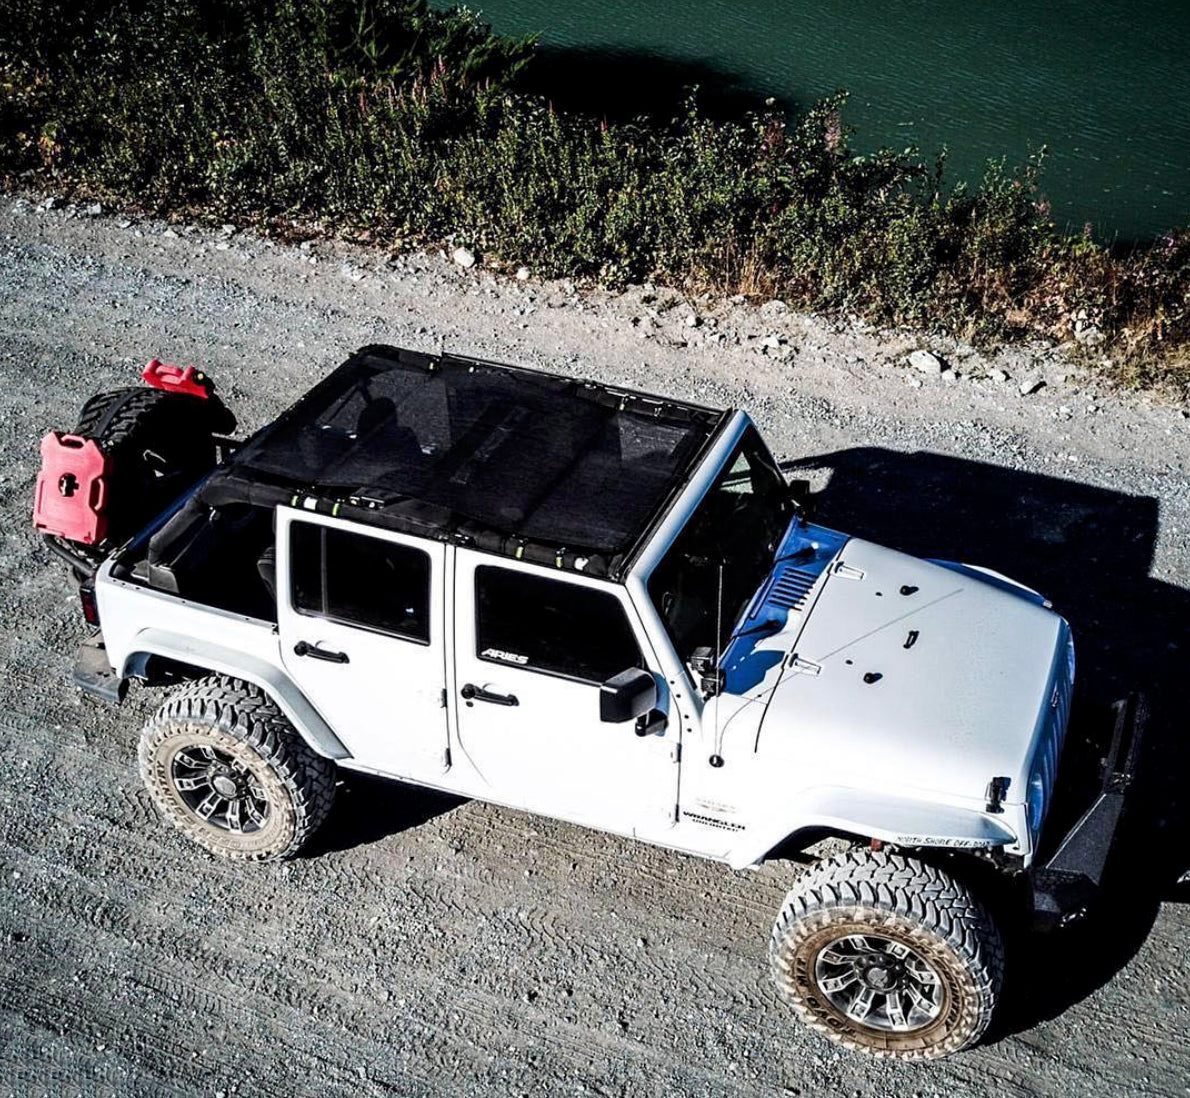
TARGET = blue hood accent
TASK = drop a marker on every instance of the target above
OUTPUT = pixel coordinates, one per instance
(802, 556)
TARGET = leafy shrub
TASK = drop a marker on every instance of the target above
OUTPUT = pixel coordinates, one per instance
(389, 116)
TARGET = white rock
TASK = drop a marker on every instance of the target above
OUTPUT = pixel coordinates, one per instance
(227, 230)
(169, 234)
(1030, 385)
(773, 308)
(94, 210)
(522, 274)
(998, 375)
(692, 321)
(463, 257)
(927, 362)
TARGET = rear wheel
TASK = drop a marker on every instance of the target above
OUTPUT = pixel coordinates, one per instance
(226, 767)
(887, 955)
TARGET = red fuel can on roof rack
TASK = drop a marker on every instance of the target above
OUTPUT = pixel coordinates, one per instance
(71, 490)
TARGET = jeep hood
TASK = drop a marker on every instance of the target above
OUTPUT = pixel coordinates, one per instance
(903, 675)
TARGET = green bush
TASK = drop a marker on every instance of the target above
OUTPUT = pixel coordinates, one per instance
(407, 122)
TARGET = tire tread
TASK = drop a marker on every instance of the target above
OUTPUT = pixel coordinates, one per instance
(911, 889)
(245, 712)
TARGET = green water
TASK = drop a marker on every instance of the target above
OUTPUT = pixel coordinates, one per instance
(1104, 83)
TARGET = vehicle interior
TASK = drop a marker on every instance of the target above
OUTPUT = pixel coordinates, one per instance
(223, 557)
(717, 563)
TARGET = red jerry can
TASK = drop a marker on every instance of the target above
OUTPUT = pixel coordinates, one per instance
(71, 489)
(175, 379)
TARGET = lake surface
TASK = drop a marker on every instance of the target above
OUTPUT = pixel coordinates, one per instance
(1104, 83)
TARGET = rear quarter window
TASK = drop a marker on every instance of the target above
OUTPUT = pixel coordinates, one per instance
(360, 580)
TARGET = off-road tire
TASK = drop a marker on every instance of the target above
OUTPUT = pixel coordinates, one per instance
(239, 722)
(158, 443)
(907, 903)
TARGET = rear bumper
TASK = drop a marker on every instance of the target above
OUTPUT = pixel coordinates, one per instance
(1066, 880)
(93, 673)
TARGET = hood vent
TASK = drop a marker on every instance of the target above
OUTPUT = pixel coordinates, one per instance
(791, 587)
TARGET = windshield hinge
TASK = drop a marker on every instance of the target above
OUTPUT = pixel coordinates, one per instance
(799, 665)
(846, 571)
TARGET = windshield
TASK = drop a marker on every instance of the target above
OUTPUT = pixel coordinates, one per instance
(734, 532)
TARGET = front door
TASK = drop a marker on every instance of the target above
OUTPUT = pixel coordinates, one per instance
(531, 650)
(360, 614)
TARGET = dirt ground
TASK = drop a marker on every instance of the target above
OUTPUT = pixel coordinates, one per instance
(433, 947)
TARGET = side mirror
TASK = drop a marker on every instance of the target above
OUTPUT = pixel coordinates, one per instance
(626, 696)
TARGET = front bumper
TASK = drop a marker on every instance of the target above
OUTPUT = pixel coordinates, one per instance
(1066, 879)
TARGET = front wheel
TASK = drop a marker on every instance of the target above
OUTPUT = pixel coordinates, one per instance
(887, 955)
(226, 767)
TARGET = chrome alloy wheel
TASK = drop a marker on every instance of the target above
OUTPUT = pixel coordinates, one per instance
(879, 982)
(218, 789)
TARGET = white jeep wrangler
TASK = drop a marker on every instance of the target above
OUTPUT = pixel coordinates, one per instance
(595, 605)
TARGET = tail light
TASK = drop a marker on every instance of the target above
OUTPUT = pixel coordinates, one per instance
(89, 603)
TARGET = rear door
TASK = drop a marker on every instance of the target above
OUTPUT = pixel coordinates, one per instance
(360, 614)
(531, 650)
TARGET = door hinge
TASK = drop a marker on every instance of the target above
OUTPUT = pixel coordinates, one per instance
(677, 812)
(675, 753)
(442, 698)
(446, 759)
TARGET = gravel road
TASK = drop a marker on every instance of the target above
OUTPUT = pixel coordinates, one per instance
(435, 947)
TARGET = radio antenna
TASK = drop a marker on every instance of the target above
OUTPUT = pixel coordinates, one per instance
(716, 759)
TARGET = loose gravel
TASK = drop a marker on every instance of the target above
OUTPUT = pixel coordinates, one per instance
(434, 947)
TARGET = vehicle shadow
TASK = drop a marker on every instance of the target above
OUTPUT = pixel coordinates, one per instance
(1089, 550)
(368, 809)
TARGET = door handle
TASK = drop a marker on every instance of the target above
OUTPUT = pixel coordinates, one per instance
(471, 692)
(305, 648)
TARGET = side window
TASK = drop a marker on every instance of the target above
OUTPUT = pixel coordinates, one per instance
(551, 626)
(360, 580)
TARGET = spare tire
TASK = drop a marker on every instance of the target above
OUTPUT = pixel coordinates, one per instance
(158, 443)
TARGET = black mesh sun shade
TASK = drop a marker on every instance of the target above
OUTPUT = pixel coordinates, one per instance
(484, 447)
